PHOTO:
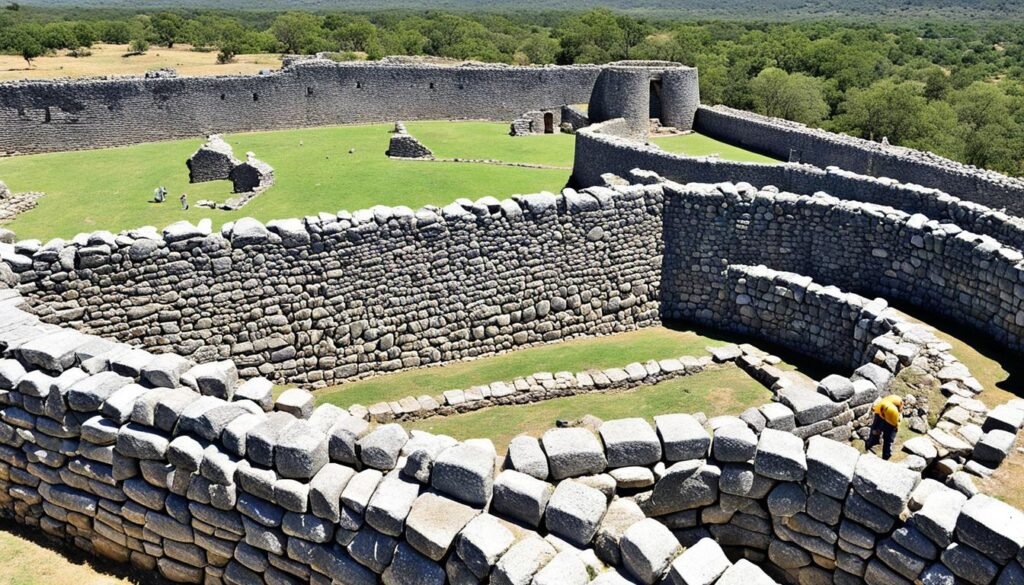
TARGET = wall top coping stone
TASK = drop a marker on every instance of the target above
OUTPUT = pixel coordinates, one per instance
(299, 65)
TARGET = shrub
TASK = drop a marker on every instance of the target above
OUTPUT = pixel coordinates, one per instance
(138, 46)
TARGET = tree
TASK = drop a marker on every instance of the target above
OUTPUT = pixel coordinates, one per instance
(298, 32)
(987, 128)
(886, 109)
(31, 49)
(592, 37)
(167, 26)
(138, 46)
(793, 96)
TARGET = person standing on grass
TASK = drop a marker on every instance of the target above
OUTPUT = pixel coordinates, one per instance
(184, 201)
(888, 414)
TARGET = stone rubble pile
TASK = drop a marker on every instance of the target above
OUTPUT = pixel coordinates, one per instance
(215, 161)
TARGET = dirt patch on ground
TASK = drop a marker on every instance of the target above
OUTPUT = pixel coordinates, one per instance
(111, 60)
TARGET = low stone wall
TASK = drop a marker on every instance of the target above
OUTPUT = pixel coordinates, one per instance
(337, 296)
(787, 140)
(535, 388)
(404, 145)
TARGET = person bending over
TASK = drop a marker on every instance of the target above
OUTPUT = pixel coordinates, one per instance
(888, 414)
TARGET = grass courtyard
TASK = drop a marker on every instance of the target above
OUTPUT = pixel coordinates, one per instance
(724, 390)
(111, 188)
(694, 144)
(576, 355)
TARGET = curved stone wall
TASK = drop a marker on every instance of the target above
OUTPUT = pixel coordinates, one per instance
(476, 278)
(861, 247)
(787, 140)
(603, 148)
(180, 469)
(42, 116)
(341, 295)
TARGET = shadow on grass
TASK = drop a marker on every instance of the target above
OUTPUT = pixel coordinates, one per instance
(37, 538)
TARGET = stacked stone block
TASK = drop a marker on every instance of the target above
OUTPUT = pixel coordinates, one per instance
(405, 145)
(184, 470)
(208, 294)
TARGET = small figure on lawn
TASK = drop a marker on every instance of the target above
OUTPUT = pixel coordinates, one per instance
(184, 201)
(160, 194)
(888, 414)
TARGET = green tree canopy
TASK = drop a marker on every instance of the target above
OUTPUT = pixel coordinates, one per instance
(793, 96)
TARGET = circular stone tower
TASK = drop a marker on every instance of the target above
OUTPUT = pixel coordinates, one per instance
(639, 91)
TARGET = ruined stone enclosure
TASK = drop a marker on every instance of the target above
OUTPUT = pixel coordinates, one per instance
(138, 420)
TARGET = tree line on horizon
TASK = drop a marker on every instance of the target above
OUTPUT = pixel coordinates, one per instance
(954, 88)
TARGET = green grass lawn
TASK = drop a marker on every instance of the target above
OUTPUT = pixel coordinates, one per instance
(111, 188)
(694, 144)
(447, 140)
(727, 390)
(574, 356)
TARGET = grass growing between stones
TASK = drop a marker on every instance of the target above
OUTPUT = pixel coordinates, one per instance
(111, 188)
(694, 144)
(723, 390)
(574, 355)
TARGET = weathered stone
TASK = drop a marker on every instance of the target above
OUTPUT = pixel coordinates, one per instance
(701, 564)
(992, 527)
(683, 437)
(526, 456)
(217, 379)
(830, 466)
(381, 448)
(573, 452)
(780, 455)
(522, 561)
(647, 550)
(630, 441)
(685, 486)
(482, 542)
(301, 451)
(466, 473)
(574, 512)
(735, 443)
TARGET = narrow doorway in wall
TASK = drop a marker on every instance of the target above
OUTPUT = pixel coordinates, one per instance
(655, 109)
(549, 123)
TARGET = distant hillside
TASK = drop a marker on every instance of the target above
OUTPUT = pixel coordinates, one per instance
(737, 9)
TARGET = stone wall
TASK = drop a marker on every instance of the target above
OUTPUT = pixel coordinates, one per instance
(861, 247)
(602, 149)
(41, 116)
(183, 470)
(787, 140)
(335, 296)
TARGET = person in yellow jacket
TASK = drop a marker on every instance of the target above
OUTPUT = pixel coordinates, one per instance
(888, 414)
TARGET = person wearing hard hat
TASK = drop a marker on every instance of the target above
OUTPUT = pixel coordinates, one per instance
(888, 414)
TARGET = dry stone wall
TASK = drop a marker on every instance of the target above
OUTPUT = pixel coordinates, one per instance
(336, 296)
(860, 247)
(184, 470)
(605, 148)
(787, 140)
(42, 116)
